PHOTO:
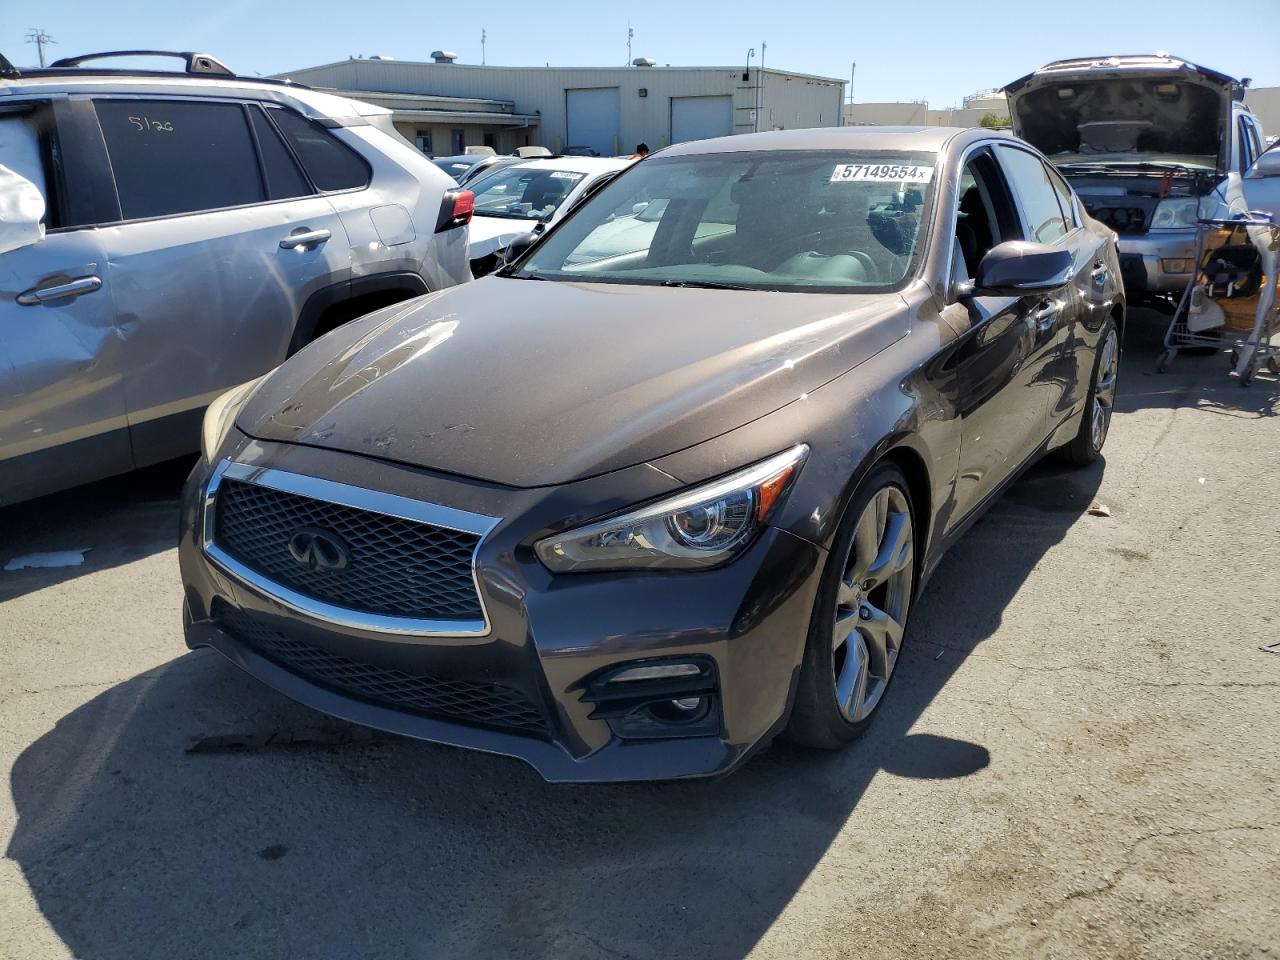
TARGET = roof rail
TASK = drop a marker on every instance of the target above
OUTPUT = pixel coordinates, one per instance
(195, 62)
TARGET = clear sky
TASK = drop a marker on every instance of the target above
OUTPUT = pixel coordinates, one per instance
(938, 50)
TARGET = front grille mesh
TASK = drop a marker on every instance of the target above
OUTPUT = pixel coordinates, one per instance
(397, 567)
(474, 703)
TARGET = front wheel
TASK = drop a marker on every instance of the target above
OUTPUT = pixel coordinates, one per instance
(860, 615)
(1086, 447)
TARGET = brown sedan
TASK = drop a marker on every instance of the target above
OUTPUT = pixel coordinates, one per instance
(668, 483)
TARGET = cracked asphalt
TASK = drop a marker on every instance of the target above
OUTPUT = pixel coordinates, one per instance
(1078, 758)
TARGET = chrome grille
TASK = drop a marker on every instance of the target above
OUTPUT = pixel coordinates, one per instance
(396, 567)
(470, 702)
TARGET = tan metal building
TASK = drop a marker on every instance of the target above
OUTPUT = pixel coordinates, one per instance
(1265, 104)
(446, 106)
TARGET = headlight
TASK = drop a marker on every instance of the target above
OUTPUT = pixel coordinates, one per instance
(1176, 213)
(221, 415)
(701, 527)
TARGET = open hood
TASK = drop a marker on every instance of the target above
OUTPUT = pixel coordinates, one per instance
(1122, 110)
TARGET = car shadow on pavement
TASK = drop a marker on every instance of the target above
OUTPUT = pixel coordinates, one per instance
(113, 521)
(332, 847)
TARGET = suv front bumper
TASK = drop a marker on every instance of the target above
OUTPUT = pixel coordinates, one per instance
(549, 637)
(1142, 261)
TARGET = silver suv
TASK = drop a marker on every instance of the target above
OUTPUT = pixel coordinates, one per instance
(1148, 142)
(197, 228)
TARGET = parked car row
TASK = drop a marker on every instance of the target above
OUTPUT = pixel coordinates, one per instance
(664, 482)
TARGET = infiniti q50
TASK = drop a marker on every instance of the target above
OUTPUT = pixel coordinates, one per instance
(669, 483)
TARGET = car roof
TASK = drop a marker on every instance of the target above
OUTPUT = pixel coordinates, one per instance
(832, 138)
(576, 164)
(313, 103)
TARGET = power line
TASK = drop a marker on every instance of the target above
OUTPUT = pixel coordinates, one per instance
(39, 38)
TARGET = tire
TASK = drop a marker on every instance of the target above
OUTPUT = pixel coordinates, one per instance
(1086, 446)
(843, 682)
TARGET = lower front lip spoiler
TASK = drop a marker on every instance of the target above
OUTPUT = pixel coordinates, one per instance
(617, 762)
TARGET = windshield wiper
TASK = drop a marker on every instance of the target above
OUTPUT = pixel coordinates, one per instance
(1124, 166)
(706, 285)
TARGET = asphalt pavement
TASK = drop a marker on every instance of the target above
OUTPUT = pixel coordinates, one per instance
(1078, 757)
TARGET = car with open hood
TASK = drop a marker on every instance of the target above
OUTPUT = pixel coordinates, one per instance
(630, 507)
(1147, 142)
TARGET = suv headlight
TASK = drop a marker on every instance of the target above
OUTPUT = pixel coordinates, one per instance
(221, 415)
(704, 526)
(1176, 213)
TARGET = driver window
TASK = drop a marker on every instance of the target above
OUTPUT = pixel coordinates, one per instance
(1036, 193)
(983, 214)
(20, 148)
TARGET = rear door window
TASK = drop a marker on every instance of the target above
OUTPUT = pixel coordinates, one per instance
(172, 157)
(284, 179)
(331, 164)
(1035, 193)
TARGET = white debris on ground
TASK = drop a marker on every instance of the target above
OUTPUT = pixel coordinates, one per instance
(52, 558)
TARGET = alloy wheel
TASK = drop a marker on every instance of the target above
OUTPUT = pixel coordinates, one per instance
(1104, 389)
(871, 604)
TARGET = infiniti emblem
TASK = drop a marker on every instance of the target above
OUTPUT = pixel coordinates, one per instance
(319, 549)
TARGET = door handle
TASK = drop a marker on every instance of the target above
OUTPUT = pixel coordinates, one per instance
(304, 239)
(59, 291)
(1046, 316)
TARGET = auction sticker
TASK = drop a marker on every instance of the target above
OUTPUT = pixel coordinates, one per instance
(881, 173)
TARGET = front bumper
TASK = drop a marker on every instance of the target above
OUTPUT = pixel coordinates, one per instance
(1142, 262)
(548, 634)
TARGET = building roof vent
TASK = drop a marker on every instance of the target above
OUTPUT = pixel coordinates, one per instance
(644, 62)
(443, 56)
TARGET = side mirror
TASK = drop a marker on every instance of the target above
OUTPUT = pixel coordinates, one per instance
(1267, 165)
(1017, 268)
(518, 247)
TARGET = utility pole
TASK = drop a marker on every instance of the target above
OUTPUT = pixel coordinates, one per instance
(630, 33)
(853, 68)
(484, 35)
(39, 38)
(760, 87)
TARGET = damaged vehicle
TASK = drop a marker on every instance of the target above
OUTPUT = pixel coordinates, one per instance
(188, 230)
(1147, 142)
(629, 508)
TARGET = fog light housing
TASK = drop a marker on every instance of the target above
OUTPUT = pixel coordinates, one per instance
(656, 699)
(1177, 265)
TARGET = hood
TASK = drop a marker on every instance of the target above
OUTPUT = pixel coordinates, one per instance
(1121, 110)
(486, 235)
(531, 383)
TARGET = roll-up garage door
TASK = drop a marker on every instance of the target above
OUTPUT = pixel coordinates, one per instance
(593, 119)
(700, 118)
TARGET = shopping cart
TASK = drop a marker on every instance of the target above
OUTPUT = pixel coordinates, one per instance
(1236, 274)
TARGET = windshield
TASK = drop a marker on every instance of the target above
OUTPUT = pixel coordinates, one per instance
(777, 220)
(523, 193)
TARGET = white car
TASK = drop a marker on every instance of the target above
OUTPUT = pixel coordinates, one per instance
(529, 196)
